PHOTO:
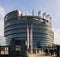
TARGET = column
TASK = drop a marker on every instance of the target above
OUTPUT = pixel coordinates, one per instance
(31, 40)
(27, 37)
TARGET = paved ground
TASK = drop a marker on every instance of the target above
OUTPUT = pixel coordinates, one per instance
(40, 54)
(35, 55)
(45, 56)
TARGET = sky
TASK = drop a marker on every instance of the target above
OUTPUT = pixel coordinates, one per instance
(51, 7)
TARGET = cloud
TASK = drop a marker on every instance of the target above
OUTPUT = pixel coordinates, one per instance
(1, 28)
(57, 36)
(2, 13)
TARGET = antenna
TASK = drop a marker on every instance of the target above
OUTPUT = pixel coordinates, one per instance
(39, 13)
(50, 17)
(44, 14)
(25, 12)
(33, 12)
(47, 16)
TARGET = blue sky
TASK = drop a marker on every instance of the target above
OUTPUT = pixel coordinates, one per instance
(51, 7)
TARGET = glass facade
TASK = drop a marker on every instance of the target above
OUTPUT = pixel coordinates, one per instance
(34, 29)
(4, 46)
(4, 41)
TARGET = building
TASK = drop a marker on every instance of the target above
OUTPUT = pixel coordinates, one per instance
(4, 49)
(13, 49)
(36, 30)
(18, 48)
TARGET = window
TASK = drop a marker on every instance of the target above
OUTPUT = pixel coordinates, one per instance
(18, 48)
(4, 51)
(47, 21)
(6, 48)
(41, 20)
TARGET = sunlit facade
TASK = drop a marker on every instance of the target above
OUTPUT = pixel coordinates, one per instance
(37, 31)
(4, 49)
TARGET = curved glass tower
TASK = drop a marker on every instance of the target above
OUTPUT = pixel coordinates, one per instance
(35, 30)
